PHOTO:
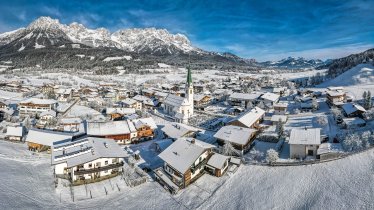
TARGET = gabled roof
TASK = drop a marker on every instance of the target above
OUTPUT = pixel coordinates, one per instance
(48, 138)
(235, 134)
(307, 136)
(177, 130)
(217, 160)
(129, 101)
(270, 96)
(121, 110)
(108, 128)
(183, 153)
(174, 100)
(38, 101)
(350, 108)
(250, 117)
(245, 96)
(145, 121)
(86, 150)
(18, 131)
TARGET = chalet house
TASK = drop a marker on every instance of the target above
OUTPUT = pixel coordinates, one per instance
(42, 140)
(71, 124)
(4, 104)
(280, 91)
(217, 164)
(200, 100)
(160, 96)
(335, 98)
(88, 160)
(199, 88)
(123, 132)
(146, 102)
(35, 106)
(353, 122)
(240, 138)
(184, 162)
(280, 108)
(243, 99)
(304, 142)
(178, 130)
(45, 117)
(221, 94)
(15, 133)
(270, 98)
(64, 95)
(250, 119)
(119, 113)
(145, 128)
(131, 103)
(353, 110)
(48, 88)
(276, 118)
(148, 93)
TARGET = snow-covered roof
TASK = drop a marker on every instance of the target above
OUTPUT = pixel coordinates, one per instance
(48, 138)
(174, 100)
(144, 100)
(38, 101)
(329, 148)
(129, 101)
(350, 108)
(217, 160)
(311, 136)
(270, 96)
(353, 121)
(183, 153)
(145, 121)
(50, 112)
(123, 111)
(235, 134)
(109, 128)
(335, 93)
(71, 120)
(18, 131)
(177, 130)
(245, 96)
(199, 97)
(276, 118)
(283, 105)
(86, 150)
(250, 117)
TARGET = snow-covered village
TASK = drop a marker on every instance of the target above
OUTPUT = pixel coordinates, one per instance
(142, 118)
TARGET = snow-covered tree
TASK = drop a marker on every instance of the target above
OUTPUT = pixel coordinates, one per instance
(321, 120)
(256, 155)
(229, 150)
(315, 105)
(272, 156)
(368, 101)
(27, 123)
(354, 142)
(364, 96)
(336, 113)
(280, 129)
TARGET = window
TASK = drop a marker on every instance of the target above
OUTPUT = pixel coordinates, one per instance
(90, 165)
(106, 162)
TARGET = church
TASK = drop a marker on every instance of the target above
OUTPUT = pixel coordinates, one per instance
(181, 108)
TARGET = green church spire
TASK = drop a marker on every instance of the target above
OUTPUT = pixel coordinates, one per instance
(189, 76)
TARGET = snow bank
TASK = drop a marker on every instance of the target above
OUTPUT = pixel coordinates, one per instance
(127, 57)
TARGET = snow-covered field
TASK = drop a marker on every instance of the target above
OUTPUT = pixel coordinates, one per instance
(26, 182)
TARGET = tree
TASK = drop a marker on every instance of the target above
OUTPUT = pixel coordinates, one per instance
(256, 155)
(272, 156)
(314, 104)
(321, 120)
(336, 113)
(280, 129)
(229, 150)
(27, 123)
(368, 101)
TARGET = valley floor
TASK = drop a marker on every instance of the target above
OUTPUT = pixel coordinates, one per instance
(26, 182)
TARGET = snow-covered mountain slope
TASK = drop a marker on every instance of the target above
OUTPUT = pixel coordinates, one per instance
(148, 40)
(293, 63)
(362, 74)
(355, 80)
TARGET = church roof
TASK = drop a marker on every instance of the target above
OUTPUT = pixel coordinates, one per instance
(174, 100)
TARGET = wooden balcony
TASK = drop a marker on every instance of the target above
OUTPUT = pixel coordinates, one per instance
(95, 170)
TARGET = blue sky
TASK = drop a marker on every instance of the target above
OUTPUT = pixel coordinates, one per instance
(263, 29)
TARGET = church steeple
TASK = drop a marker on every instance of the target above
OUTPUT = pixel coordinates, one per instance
(189, 76)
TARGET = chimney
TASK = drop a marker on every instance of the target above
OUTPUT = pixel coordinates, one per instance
(63, 151)
(193, 141)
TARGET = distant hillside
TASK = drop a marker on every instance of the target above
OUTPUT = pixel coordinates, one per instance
(339, 66)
